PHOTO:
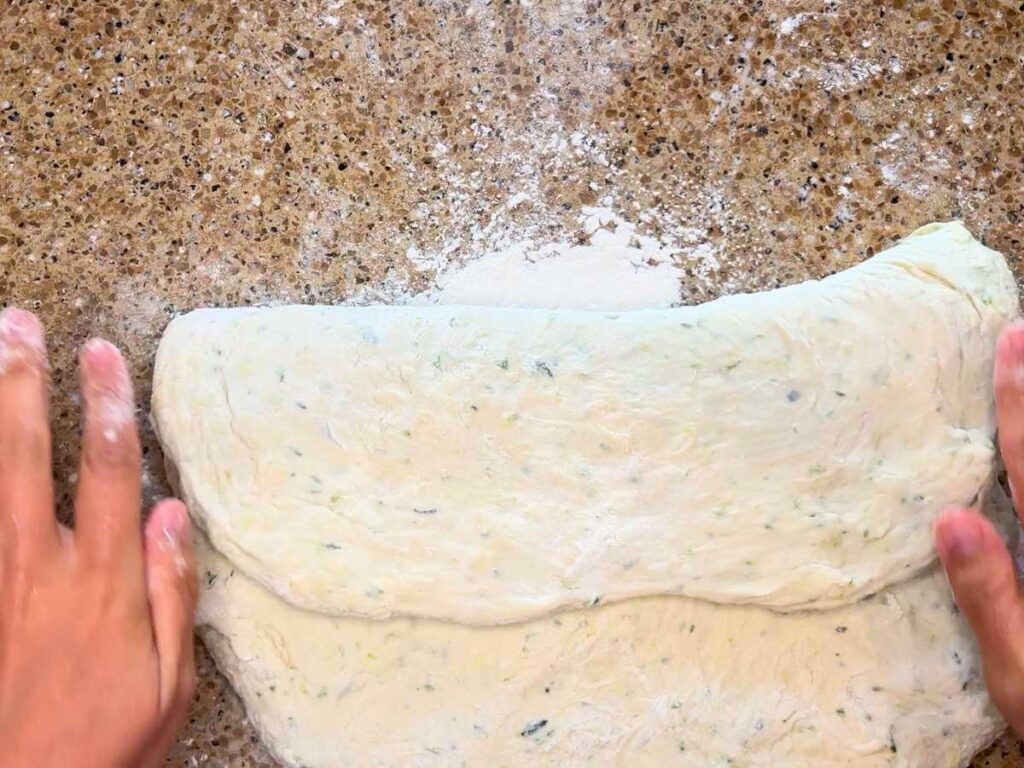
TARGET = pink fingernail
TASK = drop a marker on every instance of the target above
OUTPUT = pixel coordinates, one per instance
(174, 524)
(19, 320)
(174, 532)
(21, 339)
(177, 521)
(959, 536)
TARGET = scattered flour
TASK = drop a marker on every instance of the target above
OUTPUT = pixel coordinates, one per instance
(607, 264)
(612, 267)
(491, 220)
(790, 25)
(909, 164)
(842, 76)
(393, 289)
(141, 307)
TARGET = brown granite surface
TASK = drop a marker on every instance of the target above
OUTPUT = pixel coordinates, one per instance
(160, 155)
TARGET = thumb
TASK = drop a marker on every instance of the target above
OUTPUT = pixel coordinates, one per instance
(172, 587)
(984, 584)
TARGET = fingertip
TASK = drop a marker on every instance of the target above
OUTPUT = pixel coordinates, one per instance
(1011, 340)
(19, 323)
(99, 354)
(169, 540)
(106, 383)
(980, 572)
(22, 340)
(960, 534)
(169, 515)
(168, 525)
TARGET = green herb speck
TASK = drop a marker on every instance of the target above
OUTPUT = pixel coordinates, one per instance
(533, 727)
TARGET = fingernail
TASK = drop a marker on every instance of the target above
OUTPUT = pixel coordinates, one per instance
(174, 531)
(21, 339)
(959, 537)
(175, 523)
(19, 321)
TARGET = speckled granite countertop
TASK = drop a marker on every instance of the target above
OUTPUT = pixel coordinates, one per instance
(160, 155)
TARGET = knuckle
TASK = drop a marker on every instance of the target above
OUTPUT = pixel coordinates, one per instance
(108, 450)
(108, 594)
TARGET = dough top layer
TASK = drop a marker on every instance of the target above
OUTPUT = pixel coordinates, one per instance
(492, 465)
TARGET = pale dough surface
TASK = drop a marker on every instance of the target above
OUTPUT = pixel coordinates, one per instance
(787, 449)
(647, 683)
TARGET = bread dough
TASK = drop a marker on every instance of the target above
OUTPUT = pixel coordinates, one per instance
(787, 449)
(891, 681)
(663, 681)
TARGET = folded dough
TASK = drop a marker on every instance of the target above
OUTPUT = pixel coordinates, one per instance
(786, 449)
(665, 680)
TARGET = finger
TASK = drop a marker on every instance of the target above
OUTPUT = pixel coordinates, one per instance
(26, 480)
(173, 588)
(155, 754)
(1009, 391)
(984, 584)
(107, 500)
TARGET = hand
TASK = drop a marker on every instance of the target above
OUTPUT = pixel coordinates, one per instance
(980, 569)
(96, 664)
